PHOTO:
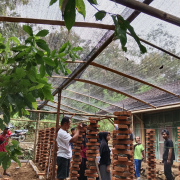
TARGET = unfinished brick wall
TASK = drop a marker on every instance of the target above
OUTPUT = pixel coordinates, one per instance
(76, 158)
(151, 159)
(178, 130)
(92, 148)
(44, 146)
(122, 165)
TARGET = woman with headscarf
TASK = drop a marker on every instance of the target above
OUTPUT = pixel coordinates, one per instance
(105, 160)
(83, 155)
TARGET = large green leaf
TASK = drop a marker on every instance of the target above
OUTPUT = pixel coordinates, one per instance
(80, 6)
(30, 97)
(52, 2)
(42, 33)
(131, 30)
(63, 47)
(20, 72)
(19, 48)
(34, 104)
(28, 29)
(2, 46)
(120, 32)
(42, 70)
(49, 61)
(43, 46)
(49, 69)
(47, 93)
(70, 14)
(39, 59)
(100, 15)
(6, 162)
(15, 39)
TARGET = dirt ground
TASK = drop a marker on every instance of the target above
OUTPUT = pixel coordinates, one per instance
(25, 172)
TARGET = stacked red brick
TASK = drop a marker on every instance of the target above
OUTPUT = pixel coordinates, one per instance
(151, 159)
(76, 158)
(45, 140)
(92, 148)
(38, 151)
(122, 166)
(52, 136)
(178, 129)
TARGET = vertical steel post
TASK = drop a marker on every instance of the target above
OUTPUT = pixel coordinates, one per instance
(36, 136)
(55, 143)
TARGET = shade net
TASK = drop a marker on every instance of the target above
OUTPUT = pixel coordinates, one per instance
(110, 91)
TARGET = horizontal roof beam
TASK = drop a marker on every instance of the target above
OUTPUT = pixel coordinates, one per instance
(107, 87)
(150, 11)
(78, 114)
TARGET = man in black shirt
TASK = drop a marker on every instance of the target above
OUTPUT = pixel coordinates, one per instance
(168, 155)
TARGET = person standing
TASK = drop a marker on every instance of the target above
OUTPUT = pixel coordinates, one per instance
(138, 156)
(168, 155)
(4, 138)
(105, 160)
(83, 155)
(64, 153)
(73, 131)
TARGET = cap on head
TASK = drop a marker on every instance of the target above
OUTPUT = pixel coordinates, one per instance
(6, 128)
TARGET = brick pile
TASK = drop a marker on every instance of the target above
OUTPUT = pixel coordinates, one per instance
(123, 167)
(151, 159)
(178, 130)
(92, 148)
(76, 158)
(45, 142)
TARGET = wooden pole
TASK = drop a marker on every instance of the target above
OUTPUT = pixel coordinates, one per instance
(149, 10)
(55, 142)
(36, 135)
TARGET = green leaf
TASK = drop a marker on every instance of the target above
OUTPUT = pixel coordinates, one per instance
(20, 72)
(2, 46)
(19, 48)
(30, 97)
(52, 2)
(42, 33)
(49, 61)
(80, 6)
(49, 69)
(43, 46)
(53, 53)
(29, 40)
(47, 93)
(131, 30)
(120, 32)
(93, 2)
(77, 49)
(70, 14)
(34, 104)
(16, 160)
(100, 15)
(28, 29)
(42, 70)
(31, 77)
(61, 66)
(6, 162)
(39, 59)
(63, 47)
(15, 39)
(15, 143)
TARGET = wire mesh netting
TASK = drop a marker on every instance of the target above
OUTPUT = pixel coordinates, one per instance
(99, 90)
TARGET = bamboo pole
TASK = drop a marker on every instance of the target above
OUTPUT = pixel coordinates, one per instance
(31, 121)
(55, 22)
(36, 135)
(79, 114)
(55, 142)
(150, 11)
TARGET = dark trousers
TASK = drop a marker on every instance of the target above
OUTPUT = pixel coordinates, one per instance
(167, 170)
(82, 170)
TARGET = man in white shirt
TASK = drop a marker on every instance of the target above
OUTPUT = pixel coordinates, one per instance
(64, 153)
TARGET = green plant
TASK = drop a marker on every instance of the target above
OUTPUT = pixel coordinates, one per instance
(69, 7)
(24, 72)
(13, 150)
(28, 155)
